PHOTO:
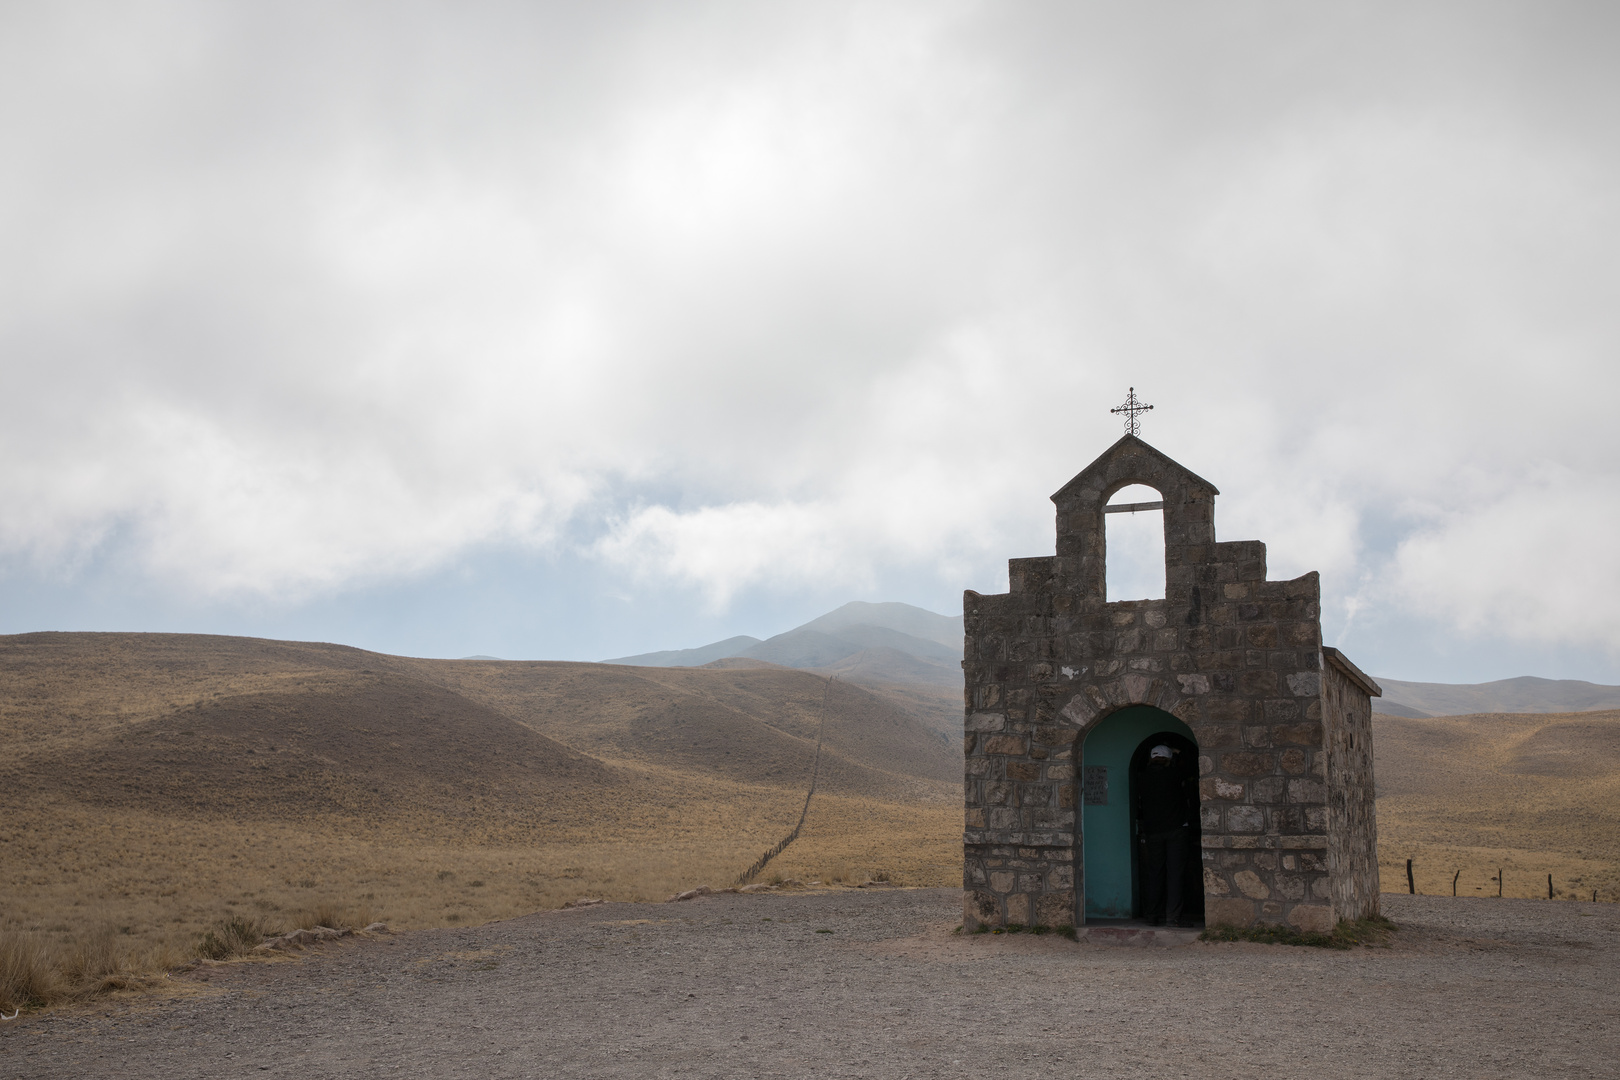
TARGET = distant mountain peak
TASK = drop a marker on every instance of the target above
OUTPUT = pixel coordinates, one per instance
(911, 643)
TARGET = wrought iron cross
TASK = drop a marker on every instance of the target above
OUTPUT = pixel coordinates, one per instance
(1133, 426)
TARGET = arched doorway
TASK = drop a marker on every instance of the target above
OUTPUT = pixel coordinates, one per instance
(1113, 754)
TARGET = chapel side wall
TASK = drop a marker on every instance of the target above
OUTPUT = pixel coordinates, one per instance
(1352, 803)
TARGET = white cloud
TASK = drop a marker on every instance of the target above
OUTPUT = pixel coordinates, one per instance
(294, 298)
(1534, 562)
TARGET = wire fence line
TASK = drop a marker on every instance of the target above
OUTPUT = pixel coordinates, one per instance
(815, 773)
(1497, 881)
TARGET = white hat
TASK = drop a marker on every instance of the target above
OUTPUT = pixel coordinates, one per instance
(1161, 751)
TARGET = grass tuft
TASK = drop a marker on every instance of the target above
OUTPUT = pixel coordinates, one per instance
(232, 937)
(29, 975)
(336, 916)
(38, 970)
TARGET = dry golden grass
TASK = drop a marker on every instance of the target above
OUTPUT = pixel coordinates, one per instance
(164, 788)
(1530, 794)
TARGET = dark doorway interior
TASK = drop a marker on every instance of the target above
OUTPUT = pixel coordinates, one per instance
(1184, 767)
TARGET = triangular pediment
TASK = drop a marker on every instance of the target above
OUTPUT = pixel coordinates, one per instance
(1142, 463)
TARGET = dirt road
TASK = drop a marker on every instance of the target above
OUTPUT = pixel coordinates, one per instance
(872, 983)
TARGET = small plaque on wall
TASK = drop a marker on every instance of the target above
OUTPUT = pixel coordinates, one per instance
(1094, 785)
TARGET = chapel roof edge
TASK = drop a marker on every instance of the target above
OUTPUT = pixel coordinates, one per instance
(1132, 442)
(1351, 672)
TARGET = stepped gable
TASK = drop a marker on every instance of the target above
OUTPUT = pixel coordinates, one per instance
(1228, 659)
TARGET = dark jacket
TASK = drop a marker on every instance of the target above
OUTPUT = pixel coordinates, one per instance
(1162, 800)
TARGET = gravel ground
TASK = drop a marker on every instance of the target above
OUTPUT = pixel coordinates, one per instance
(873, 983)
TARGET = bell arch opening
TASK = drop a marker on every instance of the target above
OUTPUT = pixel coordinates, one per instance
(1133, 544)
(1140, 841)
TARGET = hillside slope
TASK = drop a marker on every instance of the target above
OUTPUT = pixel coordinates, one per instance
(1532, 794)
(159, 782)
(1525, 694)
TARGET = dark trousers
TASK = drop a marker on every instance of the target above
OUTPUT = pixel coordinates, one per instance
(1163, 857)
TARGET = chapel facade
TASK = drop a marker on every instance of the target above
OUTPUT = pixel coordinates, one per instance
(1065, 690)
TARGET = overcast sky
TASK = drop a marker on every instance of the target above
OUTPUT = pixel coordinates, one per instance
(574, 331)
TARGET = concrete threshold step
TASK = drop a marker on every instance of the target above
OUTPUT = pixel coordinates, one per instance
(1138, 935)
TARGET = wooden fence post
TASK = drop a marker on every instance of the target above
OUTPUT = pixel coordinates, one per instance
(1411, 888)
(1454, 878)
(1498, 882)
(1549, 887)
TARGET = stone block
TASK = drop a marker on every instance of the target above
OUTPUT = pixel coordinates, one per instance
(980, 908)
(1228, 911)
(1293, 760)
(1305, 683)
(1056, 908)
(1226, 710)
(1289, 886)
(1280, 710)
(1307, 791)
(1263, 636)
(1023, 770)
(1047, 818)
(1006, 745)
(1267, 790)
(1258, 682)
(1002, 881)
(985, 721)
(973, 818)
(1314, 918)
(1301, 734)
(1251, 885)
(1018, 909)
(1193, 684)
(1246, 763)
(1245, 819)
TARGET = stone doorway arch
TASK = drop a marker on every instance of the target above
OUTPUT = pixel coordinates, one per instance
(1110, 754)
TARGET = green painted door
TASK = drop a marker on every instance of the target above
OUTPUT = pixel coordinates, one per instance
(1105, 806)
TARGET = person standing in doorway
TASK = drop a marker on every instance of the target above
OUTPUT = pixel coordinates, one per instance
(1163, 820)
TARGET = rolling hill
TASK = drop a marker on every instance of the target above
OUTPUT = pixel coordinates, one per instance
(1529, 793)
(1525, 694)
(160, 782)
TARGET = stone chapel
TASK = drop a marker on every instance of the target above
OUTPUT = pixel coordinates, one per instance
(1065, 690)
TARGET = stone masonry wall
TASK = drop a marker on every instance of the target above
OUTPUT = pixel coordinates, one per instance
(1234, 656)
(1352, 821)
